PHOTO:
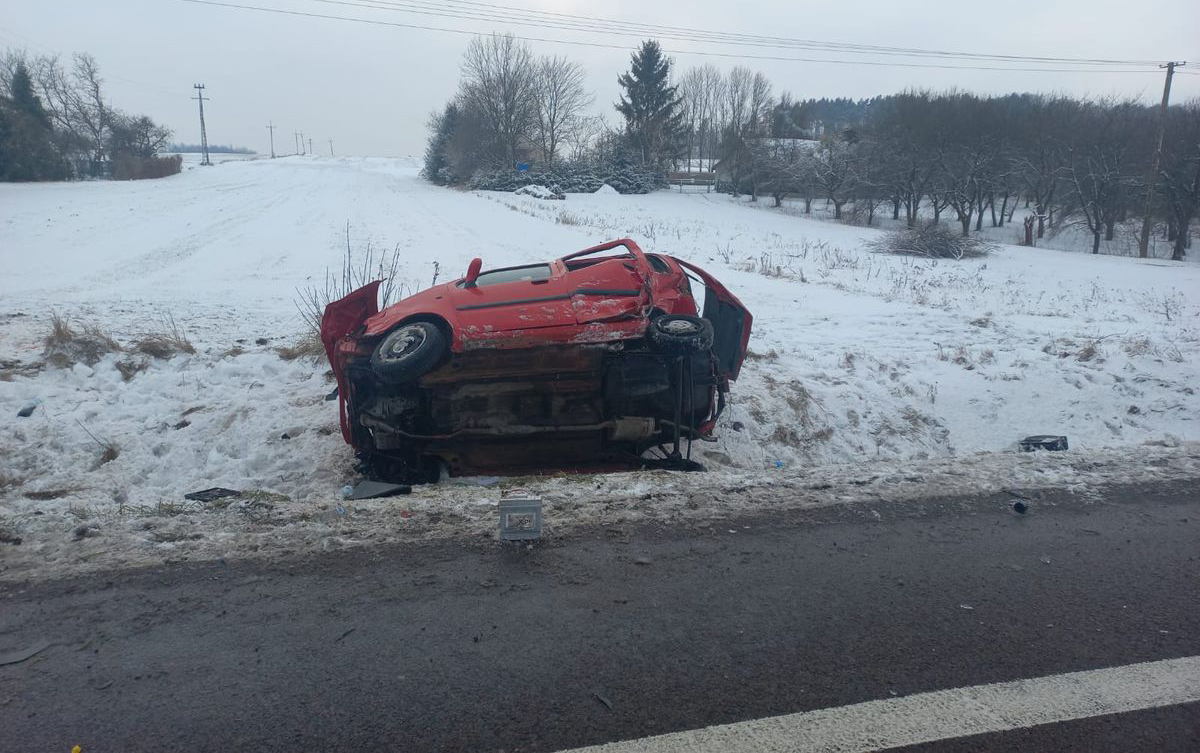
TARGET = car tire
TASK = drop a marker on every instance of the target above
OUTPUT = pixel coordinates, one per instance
(408, 352)
(681, 334)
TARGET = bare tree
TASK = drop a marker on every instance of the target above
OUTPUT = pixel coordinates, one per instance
(738, 90)
(561, 100)
(1181, 175)
(712, 114)
(1101, 168)
(582, 133)
(86, 110)
(833, 171)
(498, 82)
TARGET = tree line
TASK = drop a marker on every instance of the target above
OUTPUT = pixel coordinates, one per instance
(972, 160)
(923, 156)
(56, 124)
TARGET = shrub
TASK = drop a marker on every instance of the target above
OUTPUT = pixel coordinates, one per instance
(571, 179)
(126, 167)
(933, 241)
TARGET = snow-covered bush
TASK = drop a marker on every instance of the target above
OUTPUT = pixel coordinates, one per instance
(933, 241)
(571, 179)
(551, 193)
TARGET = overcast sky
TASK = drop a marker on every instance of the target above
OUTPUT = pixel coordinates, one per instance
(370, 88)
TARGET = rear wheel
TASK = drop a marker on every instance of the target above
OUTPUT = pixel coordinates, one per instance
(681, 334)
(408, 352)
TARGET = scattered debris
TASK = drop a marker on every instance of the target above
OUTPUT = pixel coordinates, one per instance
(209, 495)
(642, 561)
(28, 409)
(344, 634)
(520, 516)
(1020, 507)
(1043, 442)
(86, 532)
(333, 395)
(374, 489)
(968, 607)
(1045, 560)
(603, 700)
(20, 655)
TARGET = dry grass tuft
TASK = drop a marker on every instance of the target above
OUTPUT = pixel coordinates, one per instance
(65, 346)
(166, 343)
(308, 346)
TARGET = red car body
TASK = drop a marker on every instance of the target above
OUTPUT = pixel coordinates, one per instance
(533, 358)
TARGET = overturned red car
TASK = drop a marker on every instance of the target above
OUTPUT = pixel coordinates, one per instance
(585, 362)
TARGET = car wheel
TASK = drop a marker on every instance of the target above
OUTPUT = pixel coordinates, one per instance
(681, 333)
(408, 352)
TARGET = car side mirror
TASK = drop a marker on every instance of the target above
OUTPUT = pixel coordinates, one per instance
(473, 272)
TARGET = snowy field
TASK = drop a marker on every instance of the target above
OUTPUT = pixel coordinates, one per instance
(917, 375)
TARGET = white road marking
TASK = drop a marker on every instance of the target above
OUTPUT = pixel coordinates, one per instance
(944, 714)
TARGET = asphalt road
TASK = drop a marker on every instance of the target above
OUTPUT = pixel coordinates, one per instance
(617, 633)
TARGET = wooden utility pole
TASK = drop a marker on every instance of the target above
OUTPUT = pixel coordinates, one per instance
(203, 132)
(296, 137)
(331, 147)
(271, 128)
(1156, 161)
(310, 151)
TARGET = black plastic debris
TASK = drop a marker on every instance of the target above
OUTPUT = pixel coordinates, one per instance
(331, 396)
(28, 410)
(208, 495)
(1020, 507)
(1043, 442)
(373, 489)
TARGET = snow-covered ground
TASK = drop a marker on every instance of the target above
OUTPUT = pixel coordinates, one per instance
(859, 361)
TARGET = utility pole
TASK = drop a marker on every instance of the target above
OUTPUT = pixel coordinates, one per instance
(1152, 176)
(203, 132)
(310, 151)
(331, 147)
(296, 136)
(271, 128)
(302, 143)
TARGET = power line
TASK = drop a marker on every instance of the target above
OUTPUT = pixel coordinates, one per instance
(594, 25)
(888, 64)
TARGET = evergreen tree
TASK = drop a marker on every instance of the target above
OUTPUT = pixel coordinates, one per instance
(27, 147)
(652, 108)
(442, 127)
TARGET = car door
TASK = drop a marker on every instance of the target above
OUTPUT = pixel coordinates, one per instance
(610, 289)
(730, 319)
(515, 298)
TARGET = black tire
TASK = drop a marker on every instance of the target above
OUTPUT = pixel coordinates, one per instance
(681, 334)
(408, 352)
